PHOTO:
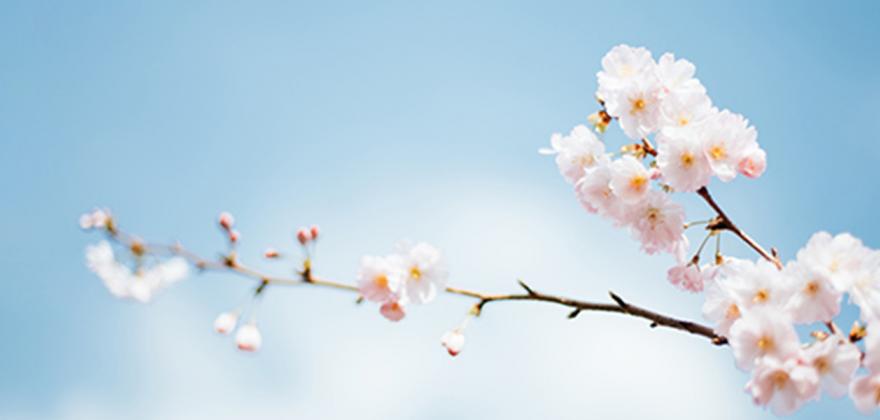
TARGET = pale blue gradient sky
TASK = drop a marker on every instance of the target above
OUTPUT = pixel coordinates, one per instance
(384, 122)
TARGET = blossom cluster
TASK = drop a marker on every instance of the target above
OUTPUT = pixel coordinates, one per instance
(756, 305)
(695, 141)
(414, 275)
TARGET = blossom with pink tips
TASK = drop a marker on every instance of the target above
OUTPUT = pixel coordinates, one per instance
(686, 277)
(453, 341)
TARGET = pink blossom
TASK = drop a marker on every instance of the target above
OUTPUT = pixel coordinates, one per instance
(392, 310)
(783, 385)
(753, 163)
(686, 277)
(657, 222)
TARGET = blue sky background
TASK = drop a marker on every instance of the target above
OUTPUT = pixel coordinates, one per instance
(383, 122)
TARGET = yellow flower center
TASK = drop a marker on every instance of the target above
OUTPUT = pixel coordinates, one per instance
(687, 159)
(821, 365)
(638, 182)
(779, 379)
(638, 105)
(812, 288)
(683, 121)
(415, 273)
(732, 312)
(586, 160)
(761, 296)
(381, 280)
(717, 152)
(765, 344)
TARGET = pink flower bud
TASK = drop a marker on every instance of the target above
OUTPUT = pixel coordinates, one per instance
(226, 221)
(754, 164)
(453, 341)
(314, 232)
(234, 236)
(225, 322)
(393, 311)
(303, 236)
(248, 338)
(271, 253)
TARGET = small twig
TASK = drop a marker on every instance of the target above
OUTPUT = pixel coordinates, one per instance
(723, 222)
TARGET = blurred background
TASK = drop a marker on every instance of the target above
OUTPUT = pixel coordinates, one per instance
(384, 122)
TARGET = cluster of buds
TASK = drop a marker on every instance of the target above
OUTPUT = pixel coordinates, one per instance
(227, 223)
(247, 337)
(307, 235)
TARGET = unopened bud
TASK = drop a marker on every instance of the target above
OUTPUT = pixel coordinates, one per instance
(225, 322)
(303, 236)
(226, 221)
(234, 236)
(248, 338)
(271, 253)
(314, 232)
(453, 341)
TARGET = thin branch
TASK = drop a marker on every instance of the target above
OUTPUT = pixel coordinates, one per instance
(231, 263)
(723, 222)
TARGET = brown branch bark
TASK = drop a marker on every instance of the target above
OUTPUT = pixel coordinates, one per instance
(231, 263)
(723, 222)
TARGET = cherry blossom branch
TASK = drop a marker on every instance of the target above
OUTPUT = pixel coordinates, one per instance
(230, 262)
(723, 222)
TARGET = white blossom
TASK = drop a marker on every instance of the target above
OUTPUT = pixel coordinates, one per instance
(783, 385)
(140, 285)
(577, 152)
(762, 332)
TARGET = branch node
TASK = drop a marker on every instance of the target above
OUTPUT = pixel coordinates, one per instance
(526, 287)
(617, 299)
(574, 313)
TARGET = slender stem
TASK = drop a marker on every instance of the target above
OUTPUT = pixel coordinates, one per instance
(231, 263)
(723, 222)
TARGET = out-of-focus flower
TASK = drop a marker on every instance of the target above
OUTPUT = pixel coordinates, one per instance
(838, 258)
(226, 221)
(424, 272)
(686, 276)
(96, 219)
(380, 278)
(141, 285)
